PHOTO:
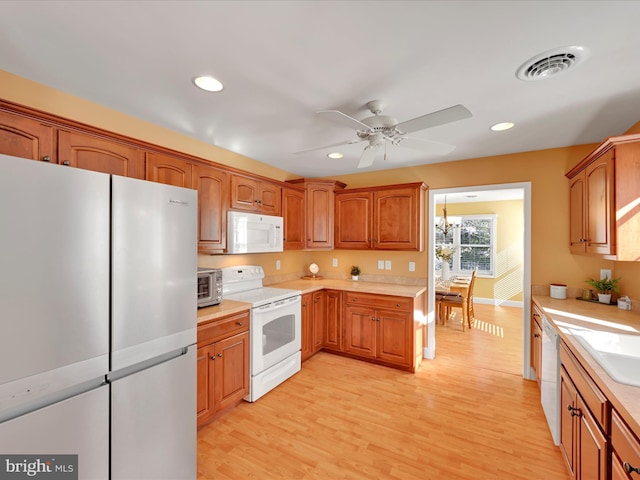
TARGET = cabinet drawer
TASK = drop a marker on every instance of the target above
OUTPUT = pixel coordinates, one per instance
(625, 443)
(593, 397)
(223, 327)
(380, 301)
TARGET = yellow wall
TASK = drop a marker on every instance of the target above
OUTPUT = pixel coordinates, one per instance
(551, 260)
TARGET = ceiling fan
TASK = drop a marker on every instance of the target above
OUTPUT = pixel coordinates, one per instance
(378, 129)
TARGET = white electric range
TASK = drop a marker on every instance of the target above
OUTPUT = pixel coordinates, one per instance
(275, 330)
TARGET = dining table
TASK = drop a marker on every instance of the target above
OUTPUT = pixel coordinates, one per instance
(457, 286)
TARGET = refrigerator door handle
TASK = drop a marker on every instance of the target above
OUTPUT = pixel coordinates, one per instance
(130, 370)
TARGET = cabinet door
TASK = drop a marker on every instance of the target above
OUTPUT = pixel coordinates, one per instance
(397, 219)
(231, 370)
(332, 324)
(320, 212)
(318, 316)
(205, 397)
(577, 217)
(536, 348)
(293, 209)
(599, 205)
(269, 198)
(168, 170)
(307, 325)
(353, 220)
(25, 138)
(360, 331)
(568, 394)
(394, 336)
(244, 193)
(92, 153)
(591, 453)
(213, 199)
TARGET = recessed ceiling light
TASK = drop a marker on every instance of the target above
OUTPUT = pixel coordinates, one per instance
(335, 155)
(208, 83)
(499, 127)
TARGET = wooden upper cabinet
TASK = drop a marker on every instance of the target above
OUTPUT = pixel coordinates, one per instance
(169, 170)
(255, 195)
(353, 220)
(604, 211)
(381, 218)
(213, 200)
(89, 152)
(293, 208)
(26, 138)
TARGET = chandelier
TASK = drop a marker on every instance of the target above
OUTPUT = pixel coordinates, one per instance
(444, 225)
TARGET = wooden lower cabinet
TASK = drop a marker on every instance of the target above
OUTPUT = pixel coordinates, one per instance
(332, 327)
(536, 342)
(380, 328)
(625, 450)
(583, 423)
(223, 365)
(312, 323)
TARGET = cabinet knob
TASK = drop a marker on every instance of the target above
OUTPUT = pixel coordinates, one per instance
(239, 324)
(46, 158)
(398, 305)
(213, 357)
(536, 335)
(220, 355)
(575, 412)
(630, 468)
(373, 319)
(304, 304)
(66, 162)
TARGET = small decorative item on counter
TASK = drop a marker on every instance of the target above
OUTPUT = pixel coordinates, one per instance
(355, 271)
(605, 287)
(558, 290)
(313, 269)
(587, 294)
(624, 303)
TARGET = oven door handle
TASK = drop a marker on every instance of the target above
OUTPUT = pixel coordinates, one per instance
(269, 307)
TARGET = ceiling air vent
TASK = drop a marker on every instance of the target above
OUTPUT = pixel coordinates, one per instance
(551, 63)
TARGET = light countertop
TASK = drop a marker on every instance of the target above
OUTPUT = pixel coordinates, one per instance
(306, 286)
(572, 312)
(226, 307)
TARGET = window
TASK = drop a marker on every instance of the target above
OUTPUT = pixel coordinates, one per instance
(474, 244)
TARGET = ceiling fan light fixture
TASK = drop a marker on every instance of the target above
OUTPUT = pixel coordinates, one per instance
(335, 155)
(502, 126)
(208, 83)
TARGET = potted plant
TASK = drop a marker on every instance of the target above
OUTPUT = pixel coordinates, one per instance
(355, 271)
(605, 287)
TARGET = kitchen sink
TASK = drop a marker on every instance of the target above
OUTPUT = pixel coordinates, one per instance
(617, 353)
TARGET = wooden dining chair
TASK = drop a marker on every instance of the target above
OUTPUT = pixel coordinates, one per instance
(463, 300)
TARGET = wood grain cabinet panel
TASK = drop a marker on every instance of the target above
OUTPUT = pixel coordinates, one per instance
(222, 365)
(169, 170)
(213, 200)
(604, 211)
(536, 342)
(255, 195)
(381, 218)
(625, 446)
(90, 152)
(332, 338)
(25, 138)
(293, 213)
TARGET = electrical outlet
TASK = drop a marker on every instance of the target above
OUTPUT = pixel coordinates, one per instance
(412, 266)
(277, 264)
(605, 273)
(380, 264)
(334, 262)
(387, 264)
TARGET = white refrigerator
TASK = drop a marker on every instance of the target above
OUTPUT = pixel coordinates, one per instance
(98, 278)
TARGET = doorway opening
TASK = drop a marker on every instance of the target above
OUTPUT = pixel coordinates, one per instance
(489, 193)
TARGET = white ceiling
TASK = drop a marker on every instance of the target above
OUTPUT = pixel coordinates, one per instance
(283, 61)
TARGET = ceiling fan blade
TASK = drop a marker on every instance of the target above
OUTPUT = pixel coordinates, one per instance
(344, 119)
(427, 146)
(348, 142)
(368, 156)
(448, 115)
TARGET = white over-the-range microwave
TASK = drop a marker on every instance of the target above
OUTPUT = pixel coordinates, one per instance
(254, 233)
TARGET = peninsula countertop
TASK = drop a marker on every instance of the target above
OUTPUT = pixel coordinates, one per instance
(360, 286)
(572, 312)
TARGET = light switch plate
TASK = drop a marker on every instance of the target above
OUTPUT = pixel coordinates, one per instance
(334, 262)
(605, 273)
(412, 266)
(277, 264)
(380, 264)
(387, 264)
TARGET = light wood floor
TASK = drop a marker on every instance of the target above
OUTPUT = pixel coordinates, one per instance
(468, 414)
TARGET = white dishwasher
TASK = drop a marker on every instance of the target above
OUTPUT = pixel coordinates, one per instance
(550, 378)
